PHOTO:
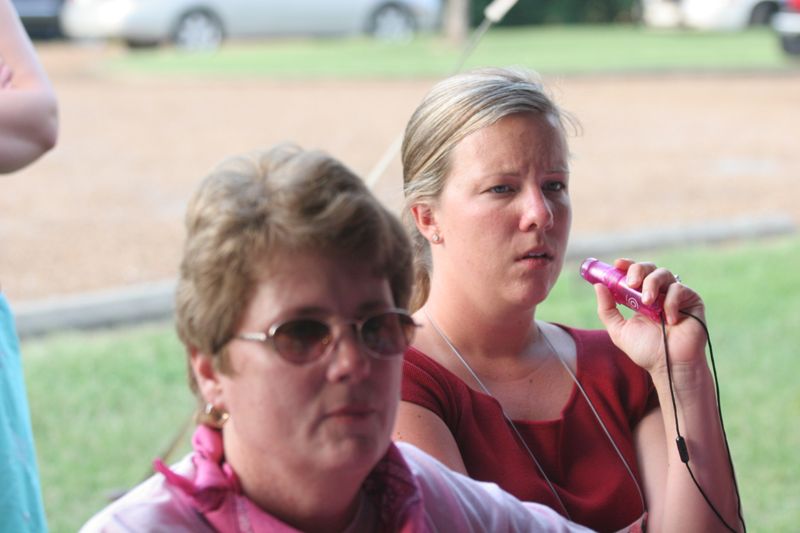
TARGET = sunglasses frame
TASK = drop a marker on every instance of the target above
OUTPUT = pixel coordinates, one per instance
(333, 336)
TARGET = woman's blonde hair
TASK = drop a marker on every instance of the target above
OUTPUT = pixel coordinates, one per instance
(257, 209)
(453, 109)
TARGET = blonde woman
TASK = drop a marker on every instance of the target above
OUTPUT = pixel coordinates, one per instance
(579, 420)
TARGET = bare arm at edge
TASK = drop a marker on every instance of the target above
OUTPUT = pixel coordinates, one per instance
(28, 107)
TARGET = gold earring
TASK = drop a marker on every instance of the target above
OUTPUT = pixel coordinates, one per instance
(214, 417)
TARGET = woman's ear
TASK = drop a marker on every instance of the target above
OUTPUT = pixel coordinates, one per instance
(207, 377)
(425, 220)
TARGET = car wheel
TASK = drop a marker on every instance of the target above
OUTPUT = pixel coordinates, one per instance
(392, 22)
(198, 30)
(140, 45)
(791, 44)
(762, 13)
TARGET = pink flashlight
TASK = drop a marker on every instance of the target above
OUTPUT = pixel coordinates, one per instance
(595, 271)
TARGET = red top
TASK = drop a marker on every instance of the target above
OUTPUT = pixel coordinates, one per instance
(573, 450)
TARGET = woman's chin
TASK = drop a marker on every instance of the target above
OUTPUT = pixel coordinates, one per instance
(354, 453)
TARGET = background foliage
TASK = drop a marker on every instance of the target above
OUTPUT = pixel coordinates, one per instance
(528, 12)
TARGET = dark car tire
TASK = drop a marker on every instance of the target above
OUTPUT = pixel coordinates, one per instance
(198, 30)
(791, 44)
(392, 22)
(762, 13)
(140, 45)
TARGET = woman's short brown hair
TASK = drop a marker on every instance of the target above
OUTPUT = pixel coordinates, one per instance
(259, 208)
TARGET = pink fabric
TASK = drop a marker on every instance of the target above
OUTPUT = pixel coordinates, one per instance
(216, 494)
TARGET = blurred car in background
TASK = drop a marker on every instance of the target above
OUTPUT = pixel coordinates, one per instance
(661, 13)
(40, 17)
(204, 24)
(709, 14)
(787, 24)
(728, 14)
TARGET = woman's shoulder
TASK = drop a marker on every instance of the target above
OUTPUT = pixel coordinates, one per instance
(421, 368)
(423, 374)
(150, 506)
(416, 358)
(429, 384)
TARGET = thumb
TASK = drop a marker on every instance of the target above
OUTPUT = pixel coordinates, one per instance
(607, 310)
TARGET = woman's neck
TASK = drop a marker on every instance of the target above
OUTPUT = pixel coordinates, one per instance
(324, 502)
(484, 331)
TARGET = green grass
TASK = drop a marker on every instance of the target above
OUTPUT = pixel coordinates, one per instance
(753, 306)
(548, 49)
(104, 404)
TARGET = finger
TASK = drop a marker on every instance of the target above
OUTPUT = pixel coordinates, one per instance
(637, 272)
(623, 263)
(607, 310)
(656, 282)
(672, 304)
(679, 298)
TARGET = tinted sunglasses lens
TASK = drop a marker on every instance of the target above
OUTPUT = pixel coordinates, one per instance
(388, 334)
(302, 339)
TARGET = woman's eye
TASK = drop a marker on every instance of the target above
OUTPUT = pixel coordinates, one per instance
(500, 189)
(555, 186)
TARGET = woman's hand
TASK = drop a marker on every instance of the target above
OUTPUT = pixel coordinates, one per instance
(640, 337)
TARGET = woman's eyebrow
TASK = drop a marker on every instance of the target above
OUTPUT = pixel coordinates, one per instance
(558, 170)
(305, 311)
(373, 305)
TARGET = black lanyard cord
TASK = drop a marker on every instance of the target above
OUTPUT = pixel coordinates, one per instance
(679, 440)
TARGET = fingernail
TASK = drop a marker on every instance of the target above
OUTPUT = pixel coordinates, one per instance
(647, 297)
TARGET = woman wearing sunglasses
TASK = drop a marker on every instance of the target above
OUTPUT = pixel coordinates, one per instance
(289, 303)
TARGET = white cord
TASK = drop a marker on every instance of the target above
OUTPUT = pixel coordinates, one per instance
(508, 419)
(514, 427)
(597, 416)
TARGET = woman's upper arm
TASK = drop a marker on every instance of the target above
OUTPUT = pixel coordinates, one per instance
(28, 108)
(651, 454)
(425, 430)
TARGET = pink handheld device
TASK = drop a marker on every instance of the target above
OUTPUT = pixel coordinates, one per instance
(595, 271)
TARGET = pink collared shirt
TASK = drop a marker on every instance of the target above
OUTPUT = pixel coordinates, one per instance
(406, 491)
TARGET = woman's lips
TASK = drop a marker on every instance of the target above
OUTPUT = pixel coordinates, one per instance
(351, 411)
(536, 255)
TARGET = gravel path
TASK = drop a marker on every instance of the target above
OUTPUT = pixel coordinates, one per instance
(104, 209)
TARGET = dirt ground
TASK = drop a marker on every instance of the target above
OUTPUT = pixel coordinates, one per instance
(104, 209)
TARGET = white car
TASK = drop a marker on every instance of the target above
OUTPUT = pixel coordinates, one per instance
(204, 24)
(787, 24)
(709, 14)
(40, 17)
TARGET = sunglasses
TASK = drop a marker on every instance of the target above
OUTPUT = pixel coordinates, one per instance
(302, 340)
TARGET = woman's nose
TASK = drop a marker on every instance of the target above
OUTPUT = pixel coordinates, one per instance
(536, 211)
(349, 360)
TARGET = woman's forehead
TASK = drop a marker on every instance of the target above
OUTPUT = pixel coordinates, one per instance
(322, 282)
(520, 136)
